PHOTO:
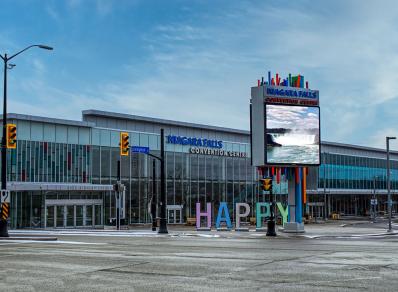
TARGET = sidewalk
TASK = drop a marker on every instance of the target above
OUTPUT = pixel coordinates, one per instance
(325, 229)
(340, 229)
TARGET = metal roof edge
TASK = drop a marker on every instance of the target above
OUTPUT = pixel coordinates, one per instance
(48, 120)
(160, 121)
(357, 147)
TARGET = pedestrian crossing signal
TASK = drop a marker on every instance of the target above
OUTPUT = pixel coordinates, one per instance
(124, 144)
(266, 184)
(11, 135)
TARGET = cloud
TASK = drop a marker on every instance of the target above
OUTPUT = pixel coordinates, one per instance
(104, 7)
(74, 4)
(53, 13)
(198, 64)
(378, 139)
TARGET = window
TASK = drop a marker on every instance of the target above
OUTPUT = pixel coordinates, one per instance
(144, 140)
(49, 133)
(36, 131)
(154, 142)
(73, 135)
(115, 139)
(84, 136)
(105, 138)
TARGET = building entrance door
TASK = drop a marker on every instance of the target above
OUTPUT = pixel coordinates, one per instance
(60, 216)
(316, 210)
(50, 216)
(70, 216)
(174, 214)
(73, 213)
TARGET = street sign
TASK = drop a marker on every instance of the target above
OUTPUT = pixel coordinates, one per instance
(5, 196)
(373, 202)
(140, 149)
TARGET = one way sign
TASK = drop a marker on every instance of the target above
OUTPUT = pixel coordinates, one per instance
(5, 196)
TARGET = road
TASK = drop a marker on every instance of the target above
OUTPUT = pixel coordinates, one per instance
(191, 261)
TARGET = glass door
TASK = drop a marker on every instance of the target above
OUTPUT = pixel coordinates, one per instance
(60, 214)
(73, 213)
(79, 215)
(70, 216)
(98, 217)
(171, 217)
(177, 218)
(89, 215)
(50, 216)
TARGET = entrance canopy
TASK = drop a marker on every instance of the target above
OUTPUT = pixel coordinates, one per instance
(44, 186)
(322, 191)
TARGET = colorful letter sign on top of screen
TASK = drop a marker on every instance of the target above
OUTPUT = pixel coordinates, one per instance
(292, 90)
(291, 95)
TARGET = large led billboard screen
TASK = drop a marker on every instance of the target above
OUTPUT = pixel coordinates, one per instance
(292, 135)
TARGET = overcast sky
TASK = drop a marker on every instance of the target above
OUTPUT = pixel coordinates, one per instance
(195, 61)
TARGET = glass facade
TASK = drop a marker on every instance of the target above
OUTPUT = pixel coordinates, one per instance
(78, 153)
(355, 172)
(190, 178)
(35, 161)
(51, 153)
(364, 177)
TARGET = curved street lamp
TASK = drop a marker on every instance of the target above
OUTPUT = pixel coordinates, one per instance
(5, 58)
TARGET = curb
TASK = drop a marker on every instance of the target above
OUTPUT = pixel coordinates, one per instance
(350, 236)
(16, 238)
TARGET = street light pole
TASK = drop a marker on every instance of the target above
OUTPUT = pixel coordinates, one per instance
(388, 183)
(325, 215)
(154, 200)
(5, 58)
(3, 140)
(373, 206)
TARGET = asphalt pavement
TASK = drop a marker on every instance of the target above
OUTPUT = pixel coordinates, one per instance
(338, 256)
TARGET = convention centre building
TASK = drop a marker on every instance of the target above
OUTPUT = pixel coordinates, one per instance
(62, 172)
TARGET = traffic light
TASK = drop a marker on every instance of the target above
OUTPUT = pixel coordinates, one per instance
(266, 184)
(11, 135)
(124, 144)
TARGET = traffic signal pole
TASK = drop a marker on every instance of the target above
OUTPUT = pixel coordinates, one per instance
(3, 222)
(154, 196)
(118, 197)
(266, 185)
(163, 202)
(271, 221)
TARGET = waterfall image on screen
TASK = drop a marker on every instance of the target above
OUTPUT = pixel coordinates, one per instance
(292, 134)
